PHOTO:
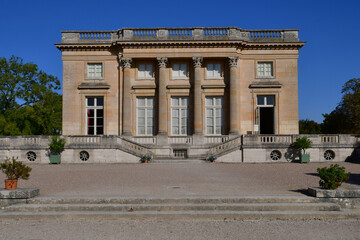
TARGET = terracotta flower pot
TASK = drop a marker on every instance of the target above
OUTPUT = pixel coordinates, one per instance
(146, 161)
(11, 184)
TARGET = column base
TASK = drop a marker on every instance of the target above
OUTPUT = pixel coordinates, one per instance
(234, 132)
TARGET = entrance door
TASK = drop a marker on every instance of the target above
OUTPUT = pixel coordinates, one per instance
(266, 116)
(267, 120)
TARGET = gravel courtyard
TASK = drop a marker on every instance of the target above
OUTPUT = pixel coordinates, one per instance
(180, 179)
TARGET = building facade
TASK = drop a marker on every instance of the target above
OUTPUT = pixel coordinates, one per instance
(163, 85)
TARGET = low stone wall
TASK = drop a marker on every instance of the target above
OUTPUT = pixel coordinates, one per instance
(245, 148)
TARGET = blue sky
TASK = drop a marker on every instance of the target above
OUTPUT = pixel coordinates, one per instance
(331, 29)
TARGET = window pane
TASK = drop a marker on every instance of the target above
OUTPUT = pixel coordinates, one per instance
(90, 101)
(99, 113)
(90, 131)
(218, 112)
(141, 121)
(270, 100)
(175, 101)
(209, 101)
(149, 113)
(149, 71)
(175, 130)
(149, 130)
(149, 121)
(209, 130)
(175, 113)
(218, 101)
(184, 130)
(184, 101)
(90, 112)
(141, 102)
(91, 121)
(141, 112)
(141, 130)
(141, 72)
(100, 121)
(260, 100)
(99, 101)
(218, 130)
(150, 102)
(217, 72)
(183, 70)
(210, 70)
(99, 130)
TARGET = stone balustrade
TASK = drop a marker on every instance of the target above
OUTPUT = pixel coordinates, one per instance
(174, 34)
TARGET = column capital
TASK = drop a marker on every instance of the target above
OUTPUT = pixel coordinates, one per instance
(197, 61)
(162, 62)
(126, 62)
(233, 61)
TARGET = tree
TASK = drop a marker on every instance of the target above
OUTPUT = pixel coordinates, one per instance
(346, 116)
(308, 126)
(28, 103)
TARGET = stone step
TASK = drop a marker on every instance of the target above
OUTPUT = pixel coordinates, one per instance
(175, 207)
(326, 215)
(171, 200)
(178, 160)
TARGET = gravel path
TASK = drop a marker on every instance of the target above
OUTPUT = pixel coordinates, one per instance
(178, 179)
(90, 229)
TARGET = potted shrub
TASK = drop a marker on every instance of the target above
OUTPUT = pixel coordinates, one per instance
(333, 176)
(56, 145)
(14, 170)
(146, 158)
(211, 158)
(302, 144)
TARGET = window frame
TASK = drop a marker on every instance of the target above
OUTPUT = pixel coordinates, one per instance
(214, 107)
(186, 76)
(152, 77)
(180, 107)
(88, 64)
(95, 108)
(272, 62)
(146, 107)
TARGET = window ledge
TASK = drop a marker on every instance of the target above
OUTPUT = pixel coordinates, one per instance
(213, 86)
(265, 84)
(183, 86)
(94, 78)
(144, 79)
(93, 85)
(143, 86)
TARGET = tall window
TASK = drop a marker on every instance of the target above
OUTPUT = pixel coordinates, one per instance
(95, 115)
(145, 71)
(94, 70)
(214, 121)
(145, 116)
(265, 69)
(179, 115)
(179, 70)
(213, 70)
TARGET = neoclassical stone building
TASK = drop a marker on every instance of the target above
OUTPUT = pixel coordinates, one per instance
(180, 85)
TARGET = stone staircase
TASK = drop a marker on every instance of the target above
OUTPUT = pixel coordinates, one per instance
(203, 207)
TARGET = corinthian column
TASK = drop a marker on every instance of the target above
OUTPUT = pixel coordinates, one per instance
(234, 96)
(126, 64)
(163, 76)
(198, 126)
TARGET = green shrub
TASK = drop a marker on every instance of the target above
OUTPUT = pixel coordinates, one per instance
(57, 145)
(302, 143)
(15, 169)
(332, 177)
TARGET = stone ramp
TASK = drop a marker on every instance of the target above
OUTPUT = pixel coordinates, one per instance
(173, 207)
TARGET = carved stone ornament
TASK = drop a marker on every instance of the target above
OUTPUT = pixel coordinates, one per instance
(197, 61)
(126, 62)
(162, 61)
(233, 61)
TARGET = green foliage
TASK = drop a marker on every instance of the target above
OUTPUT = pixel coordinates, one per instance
(346, 117)
(211, 158)
(57, 145)
(147, 157)
(14, 169)
(308, 126)
(332, 177)
(28, 103)
(302, 143)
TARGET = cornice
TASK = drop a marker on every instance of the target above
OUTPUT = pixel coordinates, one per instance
(83, 47)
